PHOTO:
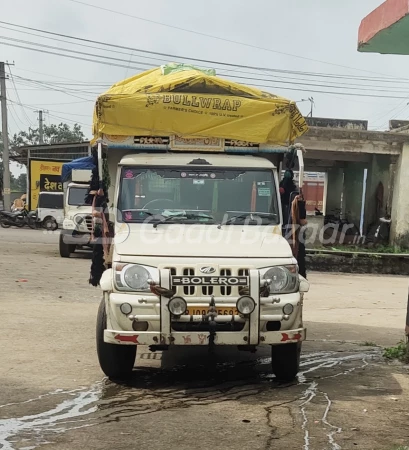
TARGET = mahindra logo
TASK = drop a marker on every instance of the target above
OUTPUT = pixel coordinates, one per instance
(207, 269)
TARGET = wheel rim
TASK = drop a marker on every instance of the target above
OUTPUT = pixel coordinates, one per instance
(50, 225)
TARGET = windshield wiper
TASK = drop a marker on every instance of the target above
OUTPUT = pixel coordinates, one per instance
(187, 216)
(245, 215)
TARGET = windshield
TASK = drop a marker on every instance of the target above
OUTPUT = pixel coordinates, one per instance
(76, 195)
(50, 201)
(198, 195)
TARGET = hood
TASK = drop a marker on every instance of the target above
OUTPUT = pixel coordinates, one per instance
(74, 210)
(178, 240)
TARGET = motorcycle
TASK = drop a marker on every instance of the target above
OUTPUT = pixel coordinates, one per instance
(18, 219)
(383, 230)
(379, 232)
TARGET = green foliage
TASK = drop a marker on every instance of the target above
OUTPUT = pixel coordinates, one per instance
(399, 352)
(19, 184)
(52, 134)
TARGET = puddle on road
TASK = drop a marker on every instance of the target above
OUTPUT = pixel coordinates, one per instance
(154, 389)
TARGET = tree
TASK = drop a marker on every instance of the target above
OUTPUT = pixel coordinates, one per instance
(52, 134)
(19, 184)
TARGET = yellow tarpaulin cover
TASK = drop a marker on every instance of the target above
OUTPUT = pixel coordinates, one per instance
(182, 100)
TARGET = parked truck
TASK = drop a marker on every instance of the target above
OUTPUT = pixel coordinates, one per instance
(50, 210)
(77, 222)
(197, 256)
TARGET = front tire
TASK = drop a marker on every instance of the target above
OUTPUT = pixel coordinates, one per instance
(286, 361)
(116, 361)
(65, 249)
(50, 224)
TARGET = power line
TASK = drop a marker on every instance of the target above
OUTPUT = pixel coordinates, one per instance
(72, 121)
(279, 81)
(59, 90)
(54, 39)
(48, 74)
(222, 63)
(217, 37)
(14, 115)
(66, 103)
(58, 117)
(77, 52)
(66, 56)
(82, 83)
(269, 86)
(35, 107)
(161, 60)
(340, 86)
(251, 84)
(50, 85)
(18, 97)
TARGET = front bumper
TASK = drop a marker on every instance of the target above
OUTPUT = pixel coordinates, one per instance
(75, 237)
(251, 330)
(202, 338)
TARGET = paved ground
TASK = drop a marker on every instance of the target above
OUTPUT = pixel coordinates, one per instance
(53, 395)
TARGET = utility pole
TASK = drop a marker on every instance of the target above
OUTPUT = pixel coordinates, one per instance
(311, 99)
(4, 129)
(41, 125)
(41, 129)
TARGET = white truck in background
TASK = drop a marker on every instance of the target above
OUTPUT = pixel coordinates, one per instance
(50, 210)
(77, 224)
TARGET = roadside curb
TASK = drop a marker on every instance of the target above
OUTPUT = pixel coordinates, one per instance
(319, 260)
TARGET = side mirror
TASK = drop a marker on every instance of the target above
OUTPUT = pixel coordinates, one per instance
(304, 285)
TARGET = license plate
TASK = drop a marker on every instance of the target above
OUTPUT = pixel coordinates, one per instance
(202, 311)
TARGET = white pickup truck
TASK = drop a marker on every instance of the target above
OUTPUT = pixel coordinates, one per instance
(76, 226)
(186, 170)
(50, 210)
(198, 259)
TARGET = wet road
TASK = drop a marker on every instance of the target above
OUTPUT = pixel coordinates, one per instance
(54, 396)
(237, 404)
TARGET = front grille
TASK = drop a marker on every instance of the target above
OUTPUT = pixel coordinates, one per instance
(225, 290)
(189, 290)
(217, 291)
(88, 221)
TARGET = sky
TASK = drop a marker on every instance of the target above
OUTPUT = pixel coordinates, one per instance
(314, 42)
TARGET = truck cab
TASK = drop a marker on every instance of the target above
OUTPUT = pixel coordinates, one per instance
(199, 259)
(77, 223)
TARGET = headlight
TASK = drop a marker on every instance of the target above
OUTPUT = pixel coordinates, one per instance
(134, 277)
(177, 306)
(245, 305)
(284, 279)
